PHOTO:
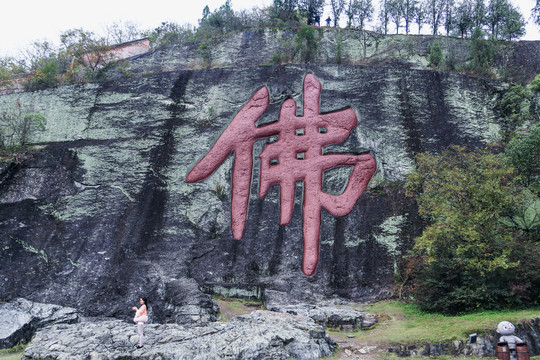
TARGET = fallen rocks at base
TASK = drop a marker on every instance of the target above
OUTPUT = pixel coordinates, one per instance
(22, 318)
(259, 335)
(344, 319)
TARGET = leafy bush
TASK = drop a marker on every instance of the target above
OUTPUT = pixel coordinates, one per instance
(284, 52)
(526, 218)
(466, 258)
(45, 76)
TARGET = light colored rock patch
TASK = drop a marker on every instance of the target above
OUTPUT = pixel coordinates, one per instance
(389, 236)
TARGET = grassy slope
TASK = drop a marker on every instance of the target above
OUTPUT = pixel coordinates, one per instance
(401, 323)
(16, 356)
(404, 323)
(14, 353)
(229, 308)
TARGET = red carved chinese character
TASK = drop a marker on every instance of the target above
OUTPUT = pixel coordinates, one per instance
(296, 155)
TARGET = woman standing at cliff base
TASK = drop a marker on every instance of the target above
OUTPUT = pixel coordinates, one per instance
(140, 318)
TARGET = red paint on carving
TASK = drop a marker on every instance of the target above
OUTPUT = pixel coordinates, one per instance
(296, 155)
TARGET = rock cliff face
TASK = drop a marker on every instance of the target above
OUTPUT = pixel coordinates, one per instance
(100, 211)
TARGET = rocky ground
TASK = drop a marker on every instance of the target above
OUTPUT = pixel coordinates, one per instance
(244, 331)
(351, 344)
(259, 335)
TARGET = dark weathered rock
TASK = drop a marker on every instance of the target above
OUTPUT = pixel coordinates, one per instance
(99, 213)
(22, 318)
(257, 336)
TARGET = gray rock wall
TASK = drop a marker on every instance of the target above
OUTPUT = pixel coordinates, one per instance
(100, 213)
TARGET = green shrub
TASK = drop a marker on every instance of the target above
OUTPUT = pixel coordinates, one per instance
(514, 105)
(284, 53)
(435, 54)
(535, 84)
(482, 52)
(306, 44)
(466, 258)
(45, 76)
(17, 124)
(205, 52)
(524, 154)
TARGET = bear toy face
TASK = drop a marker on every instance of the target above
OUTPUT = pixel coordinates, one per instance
(506, 328)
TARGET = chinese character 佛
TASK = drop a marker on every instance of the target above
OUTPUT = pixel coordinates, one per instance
(296, 155)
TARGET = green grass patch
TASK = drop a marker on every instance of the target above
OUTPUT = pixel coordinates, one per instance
(404, 323)
(231, 307)
(16, 356)
(392, 356)
(15, 353)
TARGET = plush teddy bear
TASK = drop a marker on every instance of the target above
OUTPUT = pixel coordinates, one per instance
(506, 329)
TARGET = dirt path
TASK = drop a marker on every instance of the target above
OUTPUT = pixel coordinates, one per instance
(363, 345)
(352, 346)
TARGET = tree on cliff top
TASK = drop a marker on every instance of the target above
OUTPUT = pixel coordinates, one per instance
(359, 12)
(308, 8)
(504, 20)
(434, 9)
(464, 18)
(337, 7)
(535, 13)
(481, 52)
(283, 12)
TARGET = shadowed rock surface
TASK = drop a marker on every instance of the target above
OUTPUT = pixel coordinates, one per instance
(99, 213)
(22, 318)
(259, 335)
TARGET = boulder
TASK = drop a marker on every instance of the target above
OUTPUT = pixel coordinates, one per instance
(22, 318)
(346, 319)
(259, 335)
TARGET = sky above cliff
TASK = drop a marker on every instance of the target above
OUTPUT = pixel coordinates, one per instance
(25, 21)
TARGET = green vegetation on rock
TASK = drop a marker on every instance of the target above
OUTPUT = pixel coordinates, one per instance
(18, 122)
(466, 258)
